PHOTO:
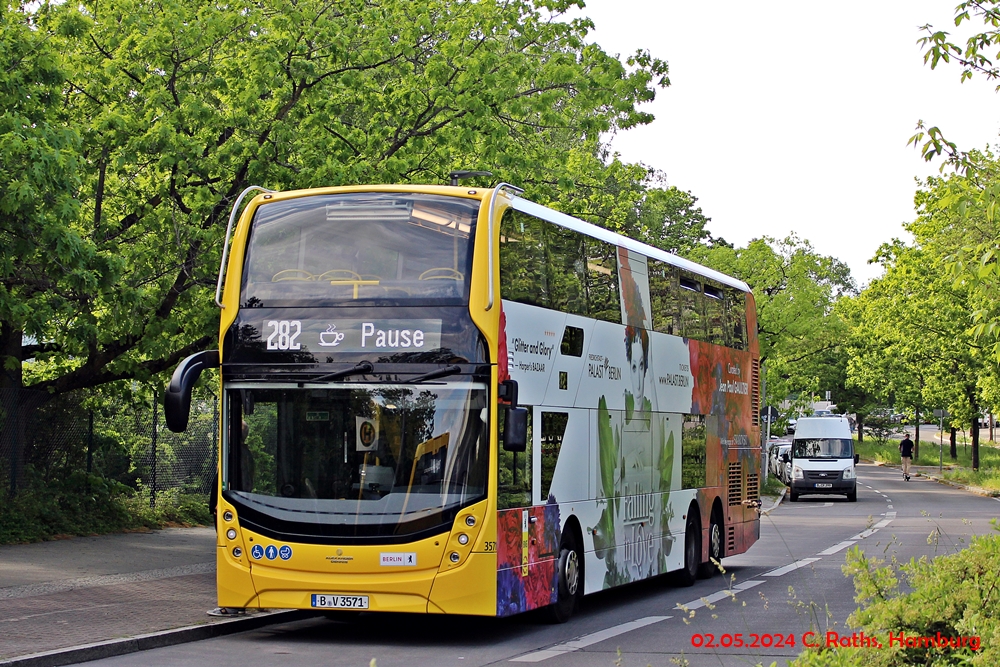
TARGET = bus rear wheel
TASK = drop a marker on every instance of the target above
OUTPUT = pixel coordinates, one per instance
(709, 569)
(692, 552)
(569, 587)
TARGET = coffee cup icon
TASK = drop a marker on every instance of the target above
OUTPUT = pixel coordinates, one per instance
(331, 337)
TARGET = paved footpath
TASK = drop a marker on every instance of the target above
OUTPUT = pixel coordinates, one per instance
(85, 590)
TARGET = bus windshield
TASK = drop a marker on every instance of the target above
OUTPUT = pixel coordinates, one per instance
(359, 459)
(327, 250)
(822, 448)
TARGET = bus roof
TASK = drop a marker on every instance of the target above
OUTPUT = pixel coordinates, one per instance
(526, 206)
(577, 225)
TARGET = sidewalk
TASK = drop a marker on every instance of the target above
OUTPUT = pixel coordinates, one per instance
(86, 590)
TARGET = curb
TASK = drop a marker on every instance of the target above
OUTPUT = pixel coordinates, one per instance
(191, 633)
(977, 490)
(762, 512)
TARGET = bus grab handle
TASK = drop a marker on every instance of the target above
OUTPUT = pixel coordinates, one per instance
(177, 397)
(225, 247)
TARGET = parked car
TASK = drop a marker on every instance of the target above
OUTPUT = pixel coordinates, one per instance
(779, 462)
(790, 428)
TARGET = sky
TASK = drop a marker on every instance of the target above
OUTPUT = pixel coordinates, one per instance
(787, 117)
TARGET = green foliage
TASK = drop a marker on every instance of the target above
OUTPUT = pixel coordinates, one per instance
(954, 595)
(911, 340)
(176, 108)
(81, 504)
(975, 192)
(880, 429)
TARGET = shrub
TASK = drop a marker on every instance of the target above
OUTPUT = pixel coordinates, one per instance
(82, 504)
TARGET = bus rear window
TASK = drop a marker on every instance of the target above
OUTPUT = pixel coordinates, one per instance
(338, 249)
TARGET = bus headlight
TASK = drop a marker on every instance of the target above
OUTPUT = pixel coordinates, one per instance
(237, 552)
(463, 539)
(227, 515)
(454, 557)
(849, 473)
(231, 533)
(796, 473)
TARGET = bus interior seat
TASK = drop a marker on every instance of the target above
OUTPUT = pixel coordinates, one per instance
(292, 274)
(442, 273)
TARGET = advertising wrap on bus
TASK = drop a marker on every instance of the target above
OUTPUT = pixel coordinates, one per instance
(664, 410)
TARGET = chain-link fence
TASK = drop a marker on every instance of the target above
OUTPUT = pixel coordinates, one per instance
(125, 439)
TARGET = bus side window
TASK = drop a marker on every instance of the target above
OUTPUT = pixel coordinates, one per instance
(513, 470)
(693, 453)
(566, 277)
(692, 316)
(603, 300)
(664, 297)
(736, 311)
(553, 430)
(715, 312)
(523, 270)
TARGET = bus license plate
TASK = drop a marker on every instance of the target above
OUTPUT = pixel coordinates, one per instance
(328, 601)
(823, 485)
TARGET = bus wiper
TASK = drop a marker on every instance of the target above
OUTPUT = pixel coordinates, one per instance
(364, 368)
(439, 373)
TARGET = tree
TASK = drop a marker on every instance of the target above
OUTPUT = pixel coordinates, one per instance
(633, 200)
(975, 262)
(180, 106)
(912, 335)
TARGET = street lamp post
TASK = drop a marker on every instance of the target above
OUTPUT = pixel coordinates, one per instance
(941, 414)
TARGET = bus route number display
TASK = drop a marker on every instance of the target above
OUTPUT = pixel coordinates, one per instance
(354, 335)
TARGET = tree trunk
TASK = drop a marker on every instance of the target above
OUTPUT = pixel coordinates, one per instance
(975, 438)
(861, 428)
(992, 439)
(916, 438)
(954, 444)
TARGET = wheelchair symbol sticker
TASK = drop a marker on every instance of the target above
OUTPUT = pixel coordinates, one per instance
(257, 552)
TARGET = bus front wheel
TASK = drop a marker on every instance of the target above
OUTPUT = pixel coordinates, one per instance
(570, 580)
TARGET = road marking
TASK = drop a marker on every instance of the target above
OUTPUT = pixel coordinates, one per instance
(720, 595)
(890, 506)
(839, 547)
(587, 640)
(810, 506)
(790, 568)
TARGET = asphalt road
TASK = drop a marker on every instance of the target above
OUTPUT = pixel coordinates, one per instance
(789, 583)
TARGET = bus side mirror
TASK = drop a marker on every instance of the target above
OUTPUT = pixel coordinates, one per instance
(177, 398)
(515, 430)
(515, 421)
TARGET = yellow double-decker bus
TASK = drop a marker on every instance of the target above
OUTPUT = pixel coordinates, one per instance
(452, 400)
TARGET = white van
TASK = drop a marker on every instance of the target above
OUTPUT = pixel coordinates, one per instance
(823, 458)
